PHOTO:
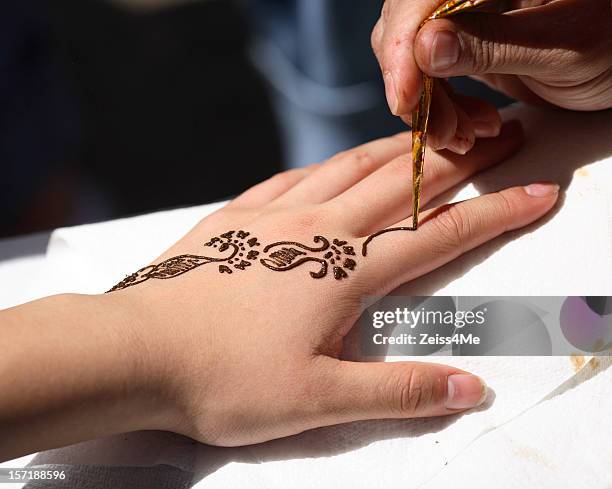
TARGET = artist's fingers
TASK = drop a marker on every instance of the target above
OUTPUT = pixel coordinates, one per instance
(273, 187)
(393, 41)
(454, 118)
(484, 117)
(451, 230)
(524, 42)
(344, 170)
(443, 119)
(385, 197)
(465, 137)
(363, 390)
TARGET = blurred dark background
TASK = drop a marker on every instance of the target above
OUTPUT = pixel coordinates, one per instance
(113, 108)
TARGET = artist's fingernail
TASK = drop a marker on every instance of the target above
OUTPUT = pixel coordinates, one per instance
(486, 129)
(542, 189)
(462, 142)
(458, 146)
(445, 50)
(391, 92)
(465, 391)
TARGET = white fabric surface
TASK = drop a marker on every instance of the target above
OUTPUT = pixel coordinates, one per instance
(542, 423)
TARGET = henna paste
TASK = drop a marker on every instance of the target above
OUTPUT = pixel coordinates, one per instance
(291, 255)
(178, 265)
(279, 257)
(364, 248)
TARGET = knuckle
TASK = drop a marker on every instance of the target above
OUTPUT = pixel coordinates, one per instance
(434, 172)
(340, 156)
(309, 220)
(376, 37)
(400, 167)
(412, 392)
(360, 160)
(505, 209)
(453, 227)
(312, 167)
(285, 177)
(488, 46)
(385, 9)
(483, 52)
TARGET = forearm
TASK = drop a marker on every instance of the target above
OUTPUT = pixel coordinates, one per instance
(71, 369)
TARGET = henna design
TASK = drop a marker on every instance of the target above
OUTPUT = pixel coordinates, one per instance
(291, 254)
(279, 257)
(364, 248)
(178, 265)
(173, 267)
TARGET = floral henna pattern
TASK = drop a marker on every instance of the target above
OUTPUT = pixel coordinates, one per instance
(282, 256)
(337, 256)
(243, 255)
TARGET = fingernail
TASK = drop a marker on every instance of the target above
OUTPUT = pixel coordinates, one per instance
(465, 391)
(391, 93)
(485, 129)
(445, 50)
(542, 189)
(458, 146)
(461, 143)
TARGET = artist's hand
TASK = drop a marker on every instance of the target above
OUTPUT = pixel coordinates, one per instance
(557, 52)
(248, 356)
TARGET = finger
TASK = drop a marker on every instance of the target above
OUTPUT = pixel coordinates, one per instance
(443, 119)
(385, 197)
(485, 118)
(522, 42)
(344, 170)
(465, 136)
(449, 231)
(272, 188)
(454, 119)
(393, 41)
(400, 390)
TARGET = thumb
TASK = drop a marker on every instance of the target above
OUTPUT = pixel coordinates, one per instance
(519, 44)
(403, 390)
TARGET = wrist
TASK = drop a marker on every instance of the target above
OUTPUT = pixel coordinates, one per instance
(177, 357)
(143, 383)
(74, 371)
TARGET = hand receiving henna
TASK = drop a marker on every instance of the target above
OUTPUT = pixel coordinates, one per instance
(244, 318)
(234, 335)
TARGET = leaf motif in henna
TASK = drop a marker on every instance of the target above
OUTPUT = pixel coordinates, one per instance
(179, 265)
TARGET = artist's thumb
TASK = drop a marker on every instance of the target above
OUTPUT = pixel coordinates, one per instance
(479, 44)
(402, 390)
